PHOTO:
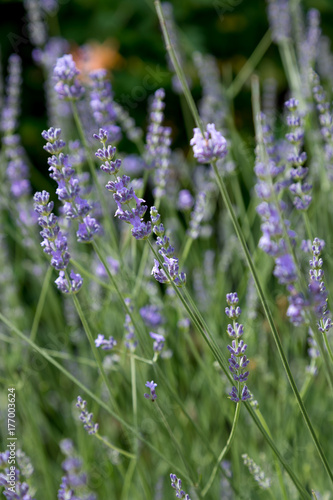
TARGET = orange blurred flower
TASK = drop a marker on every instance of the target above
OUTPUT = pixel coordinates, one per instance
(94, 55)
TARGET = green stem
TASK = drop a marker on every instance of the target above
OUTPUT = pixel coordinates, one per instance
(249, 66)
(134, 398)
(186, 250)
(277, 465)
(109, 445)
(224, 451)
(40, 304)
(178, 69)
(92, 344)
(176, 442)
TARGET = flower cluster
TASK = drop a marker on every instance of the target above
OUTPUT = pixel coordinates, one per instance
(257, 473)
(197, 215)
(151, 386)
(127, 123)
(185, 200)
(65, 74)
(325, 120)
(279, 19)
(209, 147)
(317, 287)
(171, 264)
(123, 193)
(68, 190)
(297, 159)
(238, 360)
(74, 482)
(36, 23)
(13, 479)
(106, 345)
(158, 341)
(55, 243)
(11, 107)
(86, 417)
(274, 226)
(151, 315)
(158, 144)
(176, 484)
(101, 103)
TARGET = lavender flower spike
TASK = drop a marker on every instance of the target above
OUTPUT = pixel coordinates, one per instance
(166, 251)
(106, 345)
(123, 194)
(55, 243)
(238, 360)
(151, 385)
(176, 484)
(86, 417)
(65, 74)
(210, 147)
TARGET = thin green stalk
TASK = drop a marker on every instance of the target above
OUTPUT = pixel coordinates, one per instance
(90, 393)
(223, 452)
(134, 399)
(40, 304)
(249, 66)
(113, 447)
(277, 465)
(307, 225)
(290, 68)
(178, 69)
(186, 250)
(92, 344)
(176, 443)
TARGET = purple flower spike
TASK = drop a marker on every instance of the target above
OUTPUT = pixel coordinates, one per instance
(238, 360)
(158, 341)
(65, 74)
(176, 484)
(210, 147)
(151, 385)
(86, 417)
(106, 345)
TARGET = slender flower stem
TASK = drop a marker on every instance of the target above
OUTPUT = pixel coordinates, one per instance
(249, 66)
(41, 302)
(109, 445)
(92, 343)
(223, 452)
(134, 399)
(277, 465)
(175, 62)
(176, 442)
